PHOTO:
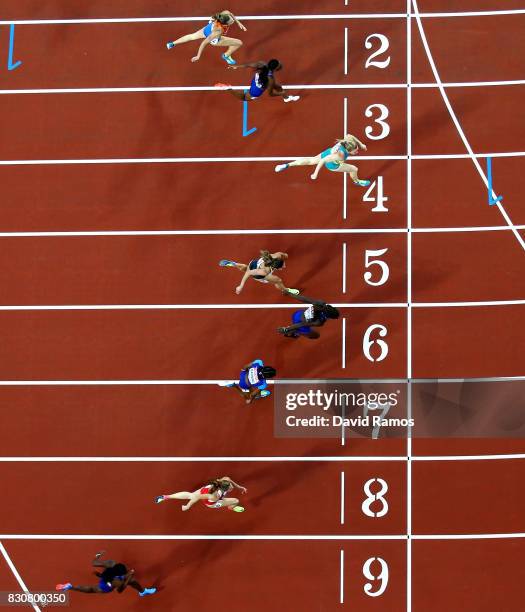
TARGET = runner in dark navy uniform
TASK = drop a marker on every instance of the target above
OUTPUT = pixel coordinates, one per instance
(263, 80)
(315, 315)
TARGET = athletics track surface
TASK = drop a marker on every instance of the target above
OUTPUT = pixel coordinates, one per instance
(125, 178)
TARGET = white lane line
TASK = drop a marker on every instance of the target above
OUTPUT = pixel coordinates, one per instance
(342, 577)
(52, 383)
(264, 17)
(95, 307)
(345, 174)
(87, 382)
(371, 230)
(344, 268)
(409, 310)
(343, 343)
(252, 537)
(457, 124)
(342, 498)
(17, 576)
(320, 86)
(205, 160)
(263, 459)
(346, 53)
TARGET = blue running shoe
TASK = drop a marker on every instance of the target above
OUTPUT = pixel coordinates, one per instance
(170, 45)
(229, 60)
(263, 393)
(147, 592)
(226, 263)
(363, 183)
(159, 499)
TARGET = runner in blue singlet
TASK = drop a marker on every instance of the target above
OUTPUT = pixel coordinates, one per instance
(315, 315)
(263, 80)
(114, 577)
(252, 381)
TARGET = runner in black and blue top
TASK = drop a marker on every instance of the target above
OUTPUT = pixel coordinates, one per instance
(333, 158)
(252, 381)
(263, 80)
(114, 577)
(261, 269)
(315, 315)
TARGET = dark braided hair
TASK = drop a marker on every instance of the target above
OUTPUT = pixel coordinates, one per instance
(119, 569)
(263, 72)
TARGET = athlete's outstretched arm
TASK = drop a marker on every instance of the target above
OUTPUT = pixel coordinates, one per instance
(294, 326)
(243, 28)
(127, 579)
(214, 34)
(322, 162)
(250, 65)
(359, 143)
(307, 300)
(247, 274)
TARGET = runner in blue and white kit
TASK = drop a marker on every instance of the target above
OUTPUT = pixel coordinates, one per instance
(333, 158)
(263, 80)
(252, 381)
(214, 34)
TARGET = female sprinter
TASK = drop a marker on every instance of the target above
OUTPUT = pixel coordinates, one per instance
(213, 34)
(115, 577)
(263, 80)
(262, 270)
(315, 315)
(211, 495)
(252, 381)
(333, 159)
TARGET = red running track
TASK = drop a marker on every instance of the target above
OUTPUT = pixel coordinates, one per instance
(185, 421)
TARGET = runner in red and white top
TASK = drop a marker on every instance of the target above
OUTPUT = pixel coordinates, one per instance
(212, 495)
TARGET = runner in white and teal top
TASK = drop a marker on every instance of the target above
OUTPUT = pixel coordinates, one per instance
(334, 159)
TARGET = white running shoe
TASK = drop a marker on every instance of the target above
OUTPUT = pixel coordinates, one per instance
(281, 167)
(292, 98)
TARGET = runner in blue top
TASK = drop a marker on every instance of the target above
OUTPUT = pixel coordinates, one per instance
(315, 315)
(114, 577)
(334, 159)
(214, 34)
(252, 381)
(263, 80)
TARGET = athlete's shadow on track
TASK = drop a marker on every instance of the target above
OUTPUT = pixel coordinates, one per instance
(183, 554)
(266, 482)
